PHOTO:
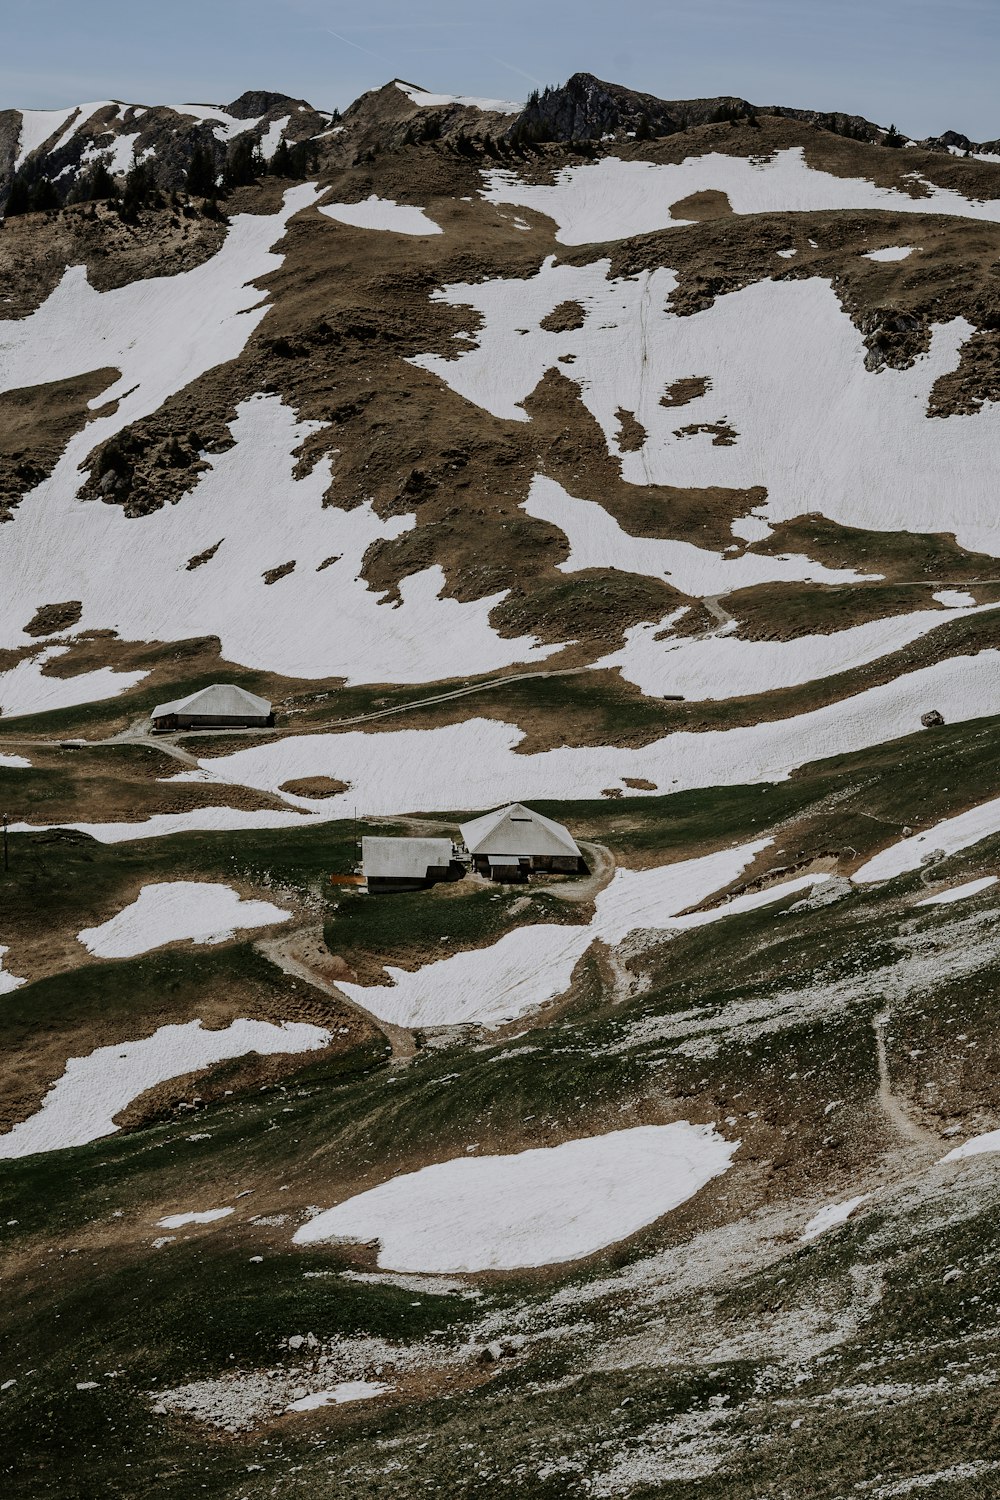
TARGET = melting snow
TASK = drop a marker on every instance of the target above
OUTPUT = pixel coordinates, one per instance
(382, 213)
(959, 892)
(533, 964)
(25, 689)
(81, 1106)
(224, 126)
(272, 137)
(117, 153)
(207, 1216)
(977, 1145)
(38, 125)
(160, 332)
(132, 575)
(891, 252)
(953, 598)
(787, 372)
(346, 1390)
(946, 837)
(173, 910)
(598, 541)
(536, 1208)
(14, 763)
(833, 1214)
(724, 666)
(8, 982)
(475, 764)
(436, 101)
(613, 199)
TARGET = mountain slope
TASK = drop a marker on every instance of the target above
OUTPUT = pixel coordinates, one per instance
(629, 458)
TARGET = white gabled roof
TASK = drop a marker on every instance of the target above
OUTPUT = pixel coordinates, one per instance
(223, 700)
(518, 830)
(403, 859)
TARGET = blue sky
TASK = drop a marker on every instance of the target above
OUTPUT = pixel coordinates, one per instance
(925, 64)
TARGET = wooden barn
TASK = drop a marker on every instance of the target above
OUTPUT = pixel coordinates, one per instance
(407, 864)
(514, 840)
(221, 706)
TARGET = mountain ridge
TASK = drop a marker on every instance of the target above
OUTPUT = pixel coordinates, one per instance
(583, 109)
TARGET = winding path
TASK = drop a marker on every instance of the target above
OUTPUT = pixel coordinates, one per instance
(303, 954)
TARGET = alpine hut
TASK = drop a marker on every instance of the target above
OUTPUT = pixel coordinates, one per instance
(221, 706)
(506, 844)
(407, 864)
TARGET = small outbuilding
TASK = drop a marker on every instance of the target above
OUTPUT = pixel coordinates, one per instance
(407, 864)
(510, 842)
(221, 706)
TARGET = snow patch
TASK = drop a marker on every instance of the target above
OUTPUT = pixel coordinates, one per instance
(437, 101)
(724, 666)
(225, 127)
(533, 964)
(946, 837)
(959, 892)
(382, 213)
(81, 1106)
(596, 540)
(272, 137)
(206, 1216)
(346, 1390)
(171, 911)
(539, 1207)
(25, 689)
(832, 1215)
(891, 252)
(977, 1145)
(8, 982)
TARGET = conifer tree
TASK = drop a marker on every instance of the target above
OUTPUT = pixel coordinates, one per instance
(18, 199)
(44, 198)
(101, 184)
(281, 163)
(244, 164)
(201, 179)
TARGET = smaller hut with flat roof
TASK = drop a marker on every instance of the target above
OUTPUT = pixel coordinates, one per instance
(407, 864)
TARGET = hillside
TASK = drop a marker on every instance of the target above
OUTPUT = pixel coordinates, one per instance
(628, 458)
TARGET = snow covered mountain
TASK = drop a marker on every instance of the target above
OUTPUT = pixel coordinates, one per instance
(630, 458)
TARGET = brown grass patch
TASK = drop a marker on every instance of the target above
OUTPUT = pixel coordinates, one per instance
(314, 786)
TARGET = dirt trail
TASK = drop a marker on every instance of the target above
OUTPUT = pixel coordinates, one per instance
(303, 954)
(602, 869)
(718, 611)
(891, 1107)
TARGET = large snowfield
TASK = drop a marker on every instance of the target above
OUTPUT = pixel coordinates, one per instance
(786, 372)
(132, 575)
(551, 1204)
(476, 764)
(613, 199)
